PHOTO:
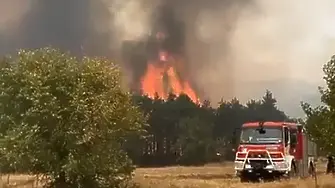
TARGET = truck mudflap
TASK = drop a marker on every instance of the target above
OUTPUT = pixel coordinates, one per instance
(263, 163)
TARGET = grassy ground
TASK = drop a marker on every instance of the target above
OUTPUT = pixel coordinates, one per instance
(19, 181)
(209, 176)
(215, 176)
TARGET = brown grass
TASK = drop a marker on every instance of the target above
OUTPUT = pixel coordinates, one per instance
(19, 181)
(215, 176)
(209, 176)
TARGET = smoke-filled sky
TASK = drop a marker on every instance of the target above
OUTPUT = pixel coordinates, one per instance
(233, 47)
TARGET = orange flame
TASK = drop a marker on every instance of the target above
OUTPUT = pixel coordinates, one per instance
(153, 80)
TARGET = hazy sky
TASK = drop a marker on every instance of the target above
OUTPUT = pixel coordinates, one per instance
(235, 47)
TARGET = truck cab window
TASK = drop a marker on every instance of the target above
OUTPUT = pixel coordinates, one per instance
(293, 137)
(286, 136)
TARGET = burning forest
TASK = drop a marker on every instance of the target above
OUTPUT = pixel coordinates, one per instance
(165, 69)
(207, 49)
(161, 78)
(163, 46)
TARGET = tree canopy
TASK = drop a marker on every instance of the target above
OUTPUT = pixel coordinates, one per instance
(66, 118)
(321, 119)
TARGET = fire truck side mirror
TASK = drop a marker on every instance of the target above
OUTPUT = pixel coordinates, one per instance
(233, 150)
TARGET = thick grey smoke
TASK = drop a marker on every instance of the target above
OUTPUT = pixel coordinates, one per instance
(12, 11)
(280, 45)
(233, 47)
(83, 27)
(11, 14)
(131, 22)
(68, 25)
(131, 18)
(210, 26)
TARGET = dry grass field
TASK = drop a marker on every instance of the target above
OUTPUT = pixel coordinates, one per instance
(216, 176)
(209, 176)
(19, 181)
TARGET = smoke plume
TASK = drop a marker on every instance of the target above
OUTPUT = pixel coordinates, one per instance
(232, 47)
(280, 45)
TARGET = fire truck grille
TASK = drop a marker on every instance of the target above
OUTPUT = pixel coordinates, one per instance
(258, 164)
(257, 155)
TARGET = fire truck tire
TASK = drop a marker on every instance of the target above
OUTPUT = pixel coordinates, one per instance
(311, 168)
(293, 172)
(244, 178)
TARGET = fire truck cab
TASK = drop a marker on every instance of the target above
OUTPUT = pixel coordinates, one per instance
(268, 150)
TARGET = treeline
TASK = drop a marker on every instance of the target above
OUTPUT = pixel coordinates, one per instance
(182, 132)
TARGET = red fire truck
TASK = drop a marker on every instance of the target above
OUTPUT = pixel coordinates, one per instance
(268, 150)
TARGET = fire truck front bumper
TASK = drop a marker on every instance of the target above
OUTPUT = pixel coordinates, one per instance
(261, 165)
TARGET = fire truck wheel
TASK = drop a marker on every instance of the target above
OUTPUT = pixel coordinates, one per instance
(311, 168)
(293, 172)
(244, 178)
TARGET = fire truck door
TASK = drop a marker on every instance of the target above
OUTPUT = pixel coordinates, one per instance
(286, 141)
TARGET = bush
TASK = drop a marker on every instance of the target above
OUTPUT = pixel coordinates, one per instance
(66, 119)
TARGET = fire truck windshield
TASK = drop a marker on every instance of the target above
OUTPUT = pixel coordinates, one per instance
(270, 135)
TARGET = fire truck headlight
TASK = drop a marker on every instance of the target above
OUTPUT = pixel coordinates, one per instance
(239, 165)
(281, 165)
(247, 166)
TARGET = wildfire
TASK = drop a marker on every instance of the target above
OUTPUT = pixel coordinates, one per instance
(161, 77)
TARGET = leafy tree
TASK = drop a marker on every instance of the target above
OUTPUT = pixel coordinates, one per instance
(196, 141)
(321, 119)
(66, 118)
(269, 110)
(229, 115)
(253, 109)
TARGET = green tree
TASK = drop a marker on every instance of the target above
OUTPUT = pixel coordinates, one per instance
(66, 118)
(195, 141)
(320, 121)
(269, 110)
(229, 116)
(253, 110)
